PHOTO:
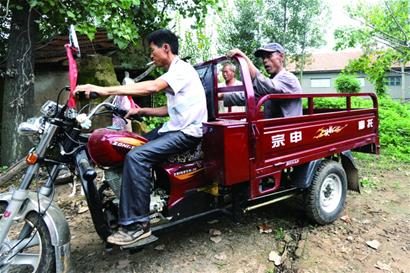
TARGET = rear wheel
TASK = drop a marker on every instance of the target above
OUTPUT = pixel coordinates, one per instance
(325, 198)
(27, 247)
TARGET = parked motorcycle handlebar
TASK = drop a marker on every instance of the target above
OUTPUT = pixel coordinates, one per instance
(81, 95)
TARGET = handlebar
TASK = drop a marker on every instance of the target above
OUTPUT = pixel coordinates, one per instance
(116, 110)
(81, 95)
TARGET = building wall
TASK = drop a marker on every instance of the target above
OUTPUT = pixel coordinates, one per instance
(321, 78)
(47, 86)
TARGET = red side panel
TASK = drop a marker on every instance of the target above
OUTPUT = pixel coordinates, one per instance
(226, 151)
(184, 177)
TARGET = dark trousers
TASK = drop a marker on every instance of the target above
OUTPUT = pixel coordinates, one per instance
(136, 179)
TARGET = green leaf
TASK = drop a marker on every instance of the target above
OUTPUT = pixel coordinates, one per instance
(70, 14)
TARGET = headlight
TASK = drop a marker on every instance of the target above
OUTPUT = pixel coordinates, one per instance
(49, 108)
(31, 127)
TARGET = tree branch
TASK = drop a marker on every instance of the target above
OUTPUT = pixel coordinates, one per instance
(383, 41)
(7, 10)
(397, 23)
(382, 32)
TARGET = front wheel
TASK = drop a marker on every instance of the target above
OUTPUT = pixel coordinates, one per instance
(27, 247)
(325, 198)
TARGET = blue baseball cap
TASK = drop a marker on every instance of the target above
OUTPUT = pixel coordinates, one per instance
(271, 47)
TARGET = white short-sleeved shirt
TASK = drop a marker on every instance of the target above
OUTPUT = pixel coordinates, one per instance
(186, 99)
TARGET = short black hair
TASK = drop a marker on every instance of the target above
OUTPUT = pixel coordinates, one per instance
(164, 36)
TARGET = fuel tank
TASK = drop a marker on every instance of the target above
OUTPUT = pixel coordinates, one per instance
(108, 147)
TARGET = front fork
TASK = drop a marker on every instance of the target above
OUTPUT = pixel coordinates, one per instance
(20, 195)
(16, 203)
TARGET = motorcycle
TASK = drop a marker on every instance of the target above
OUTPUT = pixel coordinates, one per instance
(34, 234)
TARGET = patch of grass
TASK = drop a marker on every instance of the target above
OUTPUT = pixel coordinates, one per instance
(270, 270)
(368, 183)
(397, 185)
(370, 162)
(279, 233)
(3, 169)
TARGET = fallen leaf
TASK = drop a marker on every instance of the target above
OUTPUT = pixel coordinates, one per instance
(264, 228)
(345, 218)
(287, 238)
(159, 247)
(221, 256)
(373, 244)
(215, 239)
(344, 250)
(383, 266)
(284, 256)
(275, 258)
(82, 210)
(215, 232)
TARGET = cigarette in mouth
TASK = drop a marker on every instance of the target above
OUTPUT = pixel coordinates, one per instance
(150, 63)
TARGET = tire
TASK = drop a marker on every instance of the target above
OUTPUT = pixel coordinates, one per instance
(46, 263)
(325, 198)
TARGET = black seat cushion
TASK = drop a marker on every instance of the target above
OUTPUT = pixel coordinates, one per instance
(191, 155)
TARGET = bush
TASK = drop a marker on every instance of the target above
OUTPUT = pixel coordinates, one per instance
(347, 84)
(394, 123)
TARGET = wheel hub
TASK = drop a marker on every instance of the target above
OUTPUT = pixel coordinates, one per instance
(330, 193)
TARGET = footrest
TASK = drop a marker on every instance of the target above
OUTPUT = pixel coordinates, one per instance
(141, 242)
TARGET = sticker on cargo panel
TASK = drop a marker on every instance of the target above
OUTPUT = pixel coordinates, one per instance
(325, 132)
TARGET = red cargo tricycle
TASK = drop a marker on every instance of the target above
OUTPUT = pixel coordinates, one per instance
(244, 162)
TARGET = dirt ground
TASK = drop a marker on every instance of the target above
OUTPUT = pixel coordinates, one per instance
(373, 235)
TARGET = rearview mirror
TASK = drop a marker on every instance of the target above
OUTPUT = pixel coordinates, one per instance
(73, 40)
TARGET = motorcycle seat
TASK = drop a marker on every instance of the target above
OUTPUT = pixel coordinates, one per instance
(191, 155)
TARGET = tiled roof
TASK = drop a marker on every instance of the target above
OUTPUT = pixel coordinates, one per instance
(332, 61)
(328, 61)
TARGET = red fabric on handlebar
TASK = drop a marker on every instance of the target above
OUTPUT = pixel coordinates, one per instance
(72, 75)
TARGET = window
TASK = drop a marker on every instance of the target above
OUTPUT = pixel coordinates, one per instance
(361, 80)
(393, 80)
(319, 82)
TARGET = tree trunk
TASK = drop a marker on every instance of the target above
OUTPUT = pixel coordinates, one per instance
(303, 58)
(18, 95)
(14, 172)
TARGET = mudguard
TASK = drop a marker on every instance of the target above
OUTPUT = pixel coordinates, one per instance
(302, 175)
(56, 224)
(351, 171)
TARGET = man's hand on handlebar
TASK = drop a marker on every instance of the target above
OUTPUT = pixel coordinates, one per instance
(134, 113)
(89, 90)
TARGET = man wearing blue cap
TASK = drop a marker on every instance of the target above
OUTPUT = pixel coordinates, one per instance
(280, 81)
